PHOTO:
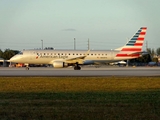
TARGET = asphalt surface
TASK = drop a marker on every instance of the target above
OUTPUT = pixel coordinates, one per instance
(85, 71)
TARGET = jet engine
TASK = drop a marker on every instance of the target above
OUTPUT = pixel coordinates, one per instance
(59, 64)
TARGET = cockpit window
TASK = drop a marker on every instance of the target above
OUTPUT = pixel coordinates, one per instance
(20, 53)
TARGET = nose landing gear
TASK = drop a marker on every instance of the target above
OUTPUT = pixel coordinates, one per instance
(27, 66)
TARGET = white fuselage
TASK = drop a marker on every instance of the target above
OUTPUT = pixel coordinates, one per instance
(49, 56)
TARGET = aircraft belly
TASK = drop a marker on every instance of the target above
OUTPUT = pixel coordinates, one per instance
(102, 61)
(37, 61)
(87, 62)
(99, 61)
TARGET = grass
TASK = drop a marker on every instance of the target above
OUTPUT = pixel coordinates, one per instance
(77, 84)
(80, 98)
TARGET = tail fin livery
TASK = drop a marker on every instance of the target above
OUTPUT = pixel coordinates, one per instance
(134, 46)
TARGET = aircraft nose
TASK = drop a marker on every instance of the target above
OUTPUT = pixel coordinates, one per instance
(15, 58)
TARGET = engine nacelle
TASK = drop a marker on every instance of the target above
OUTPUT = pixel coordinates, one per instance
(59, 64)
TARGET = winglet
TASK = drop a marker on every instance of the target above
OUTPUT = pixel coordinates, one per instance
(87, 52)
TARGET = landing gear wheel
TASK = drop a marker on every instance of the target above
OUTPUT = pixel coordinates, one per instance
(77, 67)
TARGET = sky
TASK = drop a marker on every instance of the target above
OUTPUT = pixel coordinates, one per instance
(107, 24)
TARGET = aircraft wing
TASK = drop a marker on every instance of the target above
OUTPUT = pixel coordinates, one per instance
(77, 59)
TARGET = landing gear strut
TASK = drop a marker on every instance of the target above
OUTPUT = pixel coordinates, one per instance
(27, 67)
(77, 67)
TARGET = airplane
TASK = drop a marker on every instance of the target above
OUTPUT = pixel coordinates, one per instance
(65, 58)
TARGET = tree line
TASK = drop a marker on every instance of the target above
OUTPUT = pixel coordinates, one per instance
(153, 52)
(7, 54)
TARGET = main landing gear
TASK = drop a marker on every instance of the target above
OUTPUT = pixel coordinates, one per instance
(77, 67)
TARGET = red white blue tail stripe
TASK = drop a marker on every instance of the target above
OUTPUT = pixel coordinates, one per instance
(134, 45)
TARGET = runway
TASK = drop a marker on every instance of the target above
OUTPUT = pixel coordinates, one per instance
(86, 71)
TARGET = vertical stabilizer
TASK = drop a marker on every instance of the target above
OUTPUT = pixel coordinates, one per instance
(134, 45)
